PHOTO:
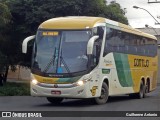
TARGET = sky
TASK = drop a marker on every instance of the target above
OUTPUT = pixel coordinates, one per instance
(137, 17)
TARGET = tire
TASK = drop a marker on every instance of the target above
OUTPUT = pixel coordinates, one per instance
(141, 94)
(104, 95)
(54, 101)
(147, 87)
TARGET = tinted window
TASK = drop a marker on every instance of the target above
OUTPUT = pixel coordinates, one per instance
(123, 42)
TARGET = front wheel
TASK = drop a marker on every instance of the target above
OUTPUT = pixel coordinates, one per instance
(54, 101)
(104, 95)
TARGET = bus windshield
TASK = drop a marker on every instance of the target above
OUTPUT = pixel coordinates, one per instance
(60, 51)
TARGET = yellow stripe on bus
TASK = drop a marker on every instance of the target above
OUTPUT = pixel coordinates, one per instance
(45, 79)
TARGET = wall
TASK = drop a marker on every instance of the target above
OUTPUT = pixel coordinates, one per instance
(20, 74)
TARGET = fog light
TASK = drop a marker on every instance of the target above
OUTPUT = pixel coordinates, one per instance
(80, 83)
(34, 81)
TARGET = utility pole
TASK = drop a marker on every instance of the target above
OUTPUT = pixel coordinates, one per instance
(157, 22)
(147, 26)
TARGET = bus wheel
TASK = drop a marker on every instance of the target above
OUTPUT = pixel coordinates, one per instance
(104, 95)
(54, 101)
(147, 87)
(141, 94)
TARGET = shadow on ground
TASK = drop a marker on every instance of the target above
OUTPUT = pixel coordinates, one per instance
(87, 102)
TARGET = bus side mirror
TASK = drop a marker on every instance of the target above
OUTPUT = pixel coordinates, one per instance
(90, 44)
(25, 42)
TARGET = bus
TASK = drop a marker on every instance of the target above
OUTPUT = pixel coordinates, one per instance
(91, 57)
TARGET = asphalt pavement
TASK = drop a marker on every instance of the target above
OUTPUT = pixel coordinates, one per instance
(117, 103)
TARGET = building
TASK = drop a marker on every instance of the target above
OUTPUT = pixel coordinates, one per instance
(152, 31)
(21, 73)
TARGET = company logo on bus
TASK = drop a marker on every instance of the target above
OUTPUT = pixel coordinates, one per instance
(141, 63)
(55, 86)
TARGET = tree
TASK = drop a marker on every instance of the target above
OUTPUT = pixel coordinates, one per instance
(114, 11)
(4, 20)
(2, 62)
(28, 14)
(4, 15)
(7, 50)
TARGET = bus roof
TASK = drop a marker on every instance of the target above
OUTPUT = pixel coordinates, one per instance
(135, 31)
(83, 22)
(71, 22)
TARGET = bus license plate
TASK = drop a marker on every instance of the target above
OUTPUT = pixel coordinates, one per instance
(55, 92)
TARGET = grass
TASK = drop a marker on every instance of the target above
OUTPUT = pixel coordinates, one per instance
(15, 89)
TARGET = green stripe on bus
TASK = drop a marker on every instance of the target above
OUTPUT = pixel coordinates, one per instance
(123, 69)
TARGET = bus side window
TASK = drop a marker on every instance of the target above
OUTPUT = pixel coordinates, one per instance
(127, 43)
(109, 41)
(132, 44)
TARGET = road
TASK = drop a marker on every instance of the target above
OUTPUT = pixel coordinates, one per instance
(118, 103)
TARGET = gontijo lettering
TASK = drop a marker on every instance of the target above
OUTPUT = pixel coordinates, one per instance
(141, 63)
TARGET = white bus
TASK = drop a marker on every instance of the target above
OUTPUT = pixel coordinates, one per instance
(91, 57)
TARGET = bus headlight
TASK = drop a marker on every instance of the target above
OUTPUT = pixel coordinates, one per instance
(34, 81)
(83, 81)
(80, 82)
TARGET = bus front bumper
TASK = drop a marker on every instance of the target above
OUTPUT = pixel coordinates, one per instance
(60, 90)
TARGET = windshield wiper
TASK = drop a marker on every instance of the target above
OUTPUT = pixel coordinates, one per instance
(64, 63)
(52, 60)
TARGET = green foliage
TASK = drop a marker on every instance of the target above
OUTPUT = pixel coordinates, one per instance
(5, 18)
(4, 15)
(114, 12)
(28, 14)
(34, 12)
(15, 89)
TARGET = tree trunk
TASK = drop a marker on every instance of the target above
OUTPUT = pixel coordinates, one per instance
(6, 74)
(1, 80)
